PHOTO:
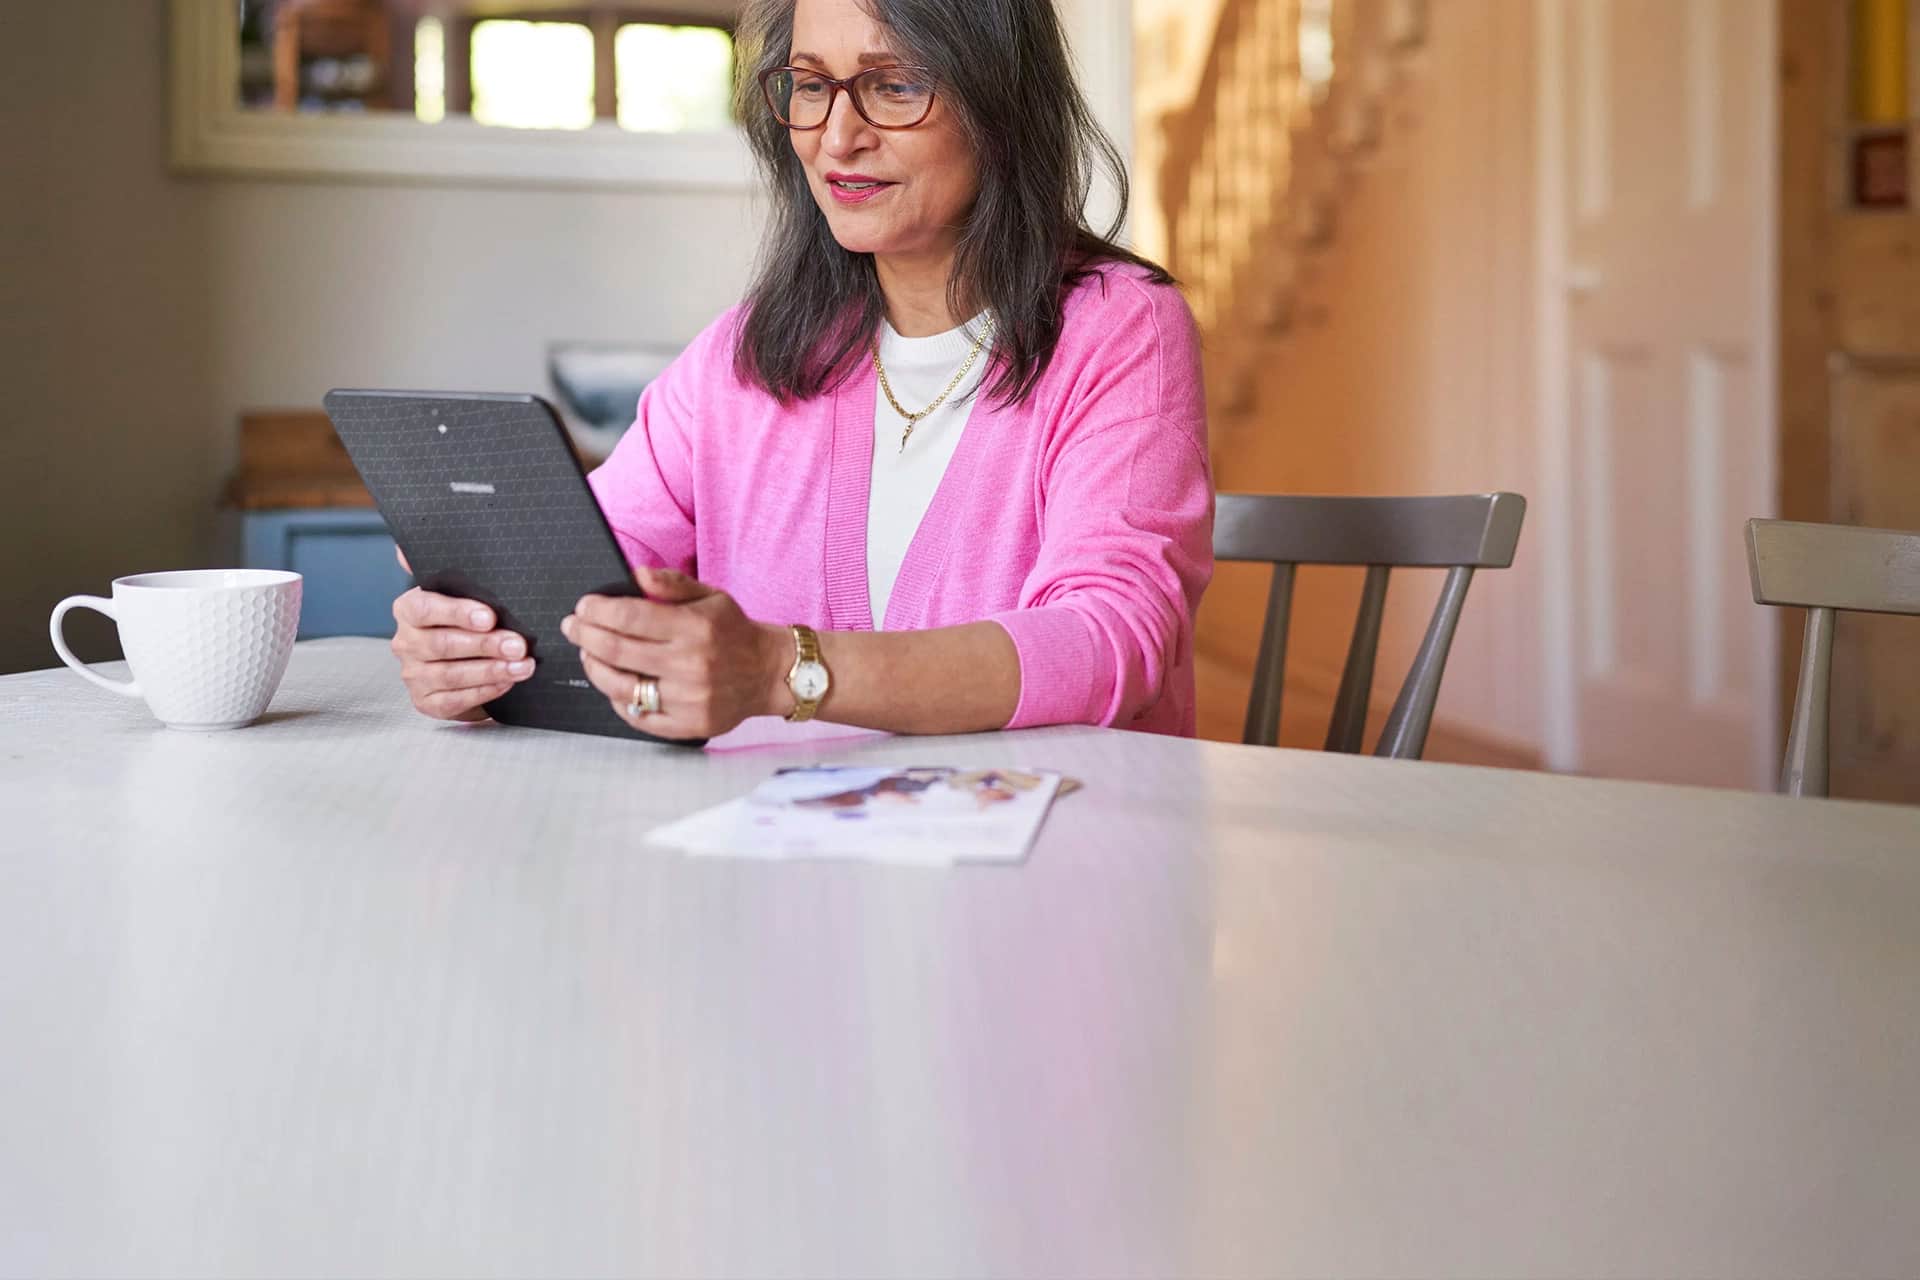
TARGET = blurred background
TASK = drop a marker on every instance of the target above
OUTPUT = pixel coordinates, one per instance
(1654, 264)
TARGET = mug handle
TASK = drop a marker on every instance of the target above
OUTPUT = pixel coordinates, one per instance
(125, 688)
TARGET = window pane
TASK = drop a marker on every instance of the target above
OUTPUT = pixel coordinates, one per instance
(430, 71)
(673, 79)
(1316, 46)
(533, 75)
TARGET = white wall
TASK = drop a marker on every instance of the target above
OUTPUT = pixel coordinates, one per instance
(142, 311)
(1100, 34)
(320, 285)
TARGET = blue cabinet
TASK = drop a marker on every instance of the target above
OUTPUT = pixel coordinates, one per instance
(345, 556)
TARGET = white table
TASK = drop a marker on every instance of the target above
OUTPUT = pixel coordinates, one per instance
(352, 993)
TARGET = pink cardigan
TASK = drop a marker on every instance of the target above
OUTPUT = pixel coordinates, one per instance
(1080, 520)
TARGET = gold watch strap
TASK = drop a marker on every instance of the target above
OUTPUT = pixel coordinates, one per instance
(806, 646)
(806, 642)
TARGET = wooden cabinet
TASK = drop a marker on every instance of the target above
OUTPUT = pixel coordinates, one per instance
(301, 506)
(346, 557)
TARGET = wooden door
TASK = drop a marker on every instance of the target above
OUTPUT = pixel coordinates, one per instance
(1850, 383)
(1659, 257)
(1875, 458)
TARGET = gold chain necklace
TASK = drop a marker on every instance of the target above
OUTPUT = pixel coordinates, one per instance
(914, 419)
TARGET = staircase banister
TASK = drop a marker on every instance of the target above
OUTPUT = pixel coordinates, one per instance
(1186, 128)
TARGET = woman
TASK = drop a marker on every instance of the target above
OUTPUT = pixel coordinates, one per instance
(945, 468)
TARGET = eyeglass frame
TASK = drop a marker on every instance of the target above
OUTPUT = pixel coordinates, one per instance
(837, 87)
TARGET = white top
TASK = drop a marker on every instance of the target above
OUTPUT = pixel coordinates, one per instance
(904, 480)
(352, 992)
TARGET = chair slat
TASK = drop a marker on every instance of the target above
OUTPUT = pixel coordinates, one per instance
(1349, 725)
(1405, 734)
(1804, 771)
(1263, 706)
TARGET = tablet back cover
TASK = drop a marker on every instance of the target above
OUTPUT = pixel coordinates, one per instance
(488, 502)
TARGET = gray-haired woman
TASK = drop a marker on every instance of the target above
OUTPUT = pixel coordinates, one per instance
(945, 467)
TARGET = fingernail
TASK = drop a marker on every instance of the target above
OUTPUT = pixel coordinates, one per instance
(566, 626)
(479, 618)
(519, 668)
(514, 647)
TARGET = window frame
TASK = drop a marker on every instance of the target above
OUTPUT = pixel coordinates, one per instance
(212, 134)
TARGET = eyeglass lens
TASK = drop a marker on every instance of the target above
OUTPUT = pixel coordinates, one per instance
(892, 97)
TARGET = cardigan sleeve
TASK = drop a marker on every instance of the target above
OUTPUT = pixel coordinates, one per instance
(1125, 494)
(645, 488)
(1125, 552)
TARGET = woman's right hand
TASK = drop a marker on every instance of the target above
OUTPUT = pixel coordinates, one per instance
(452, 659)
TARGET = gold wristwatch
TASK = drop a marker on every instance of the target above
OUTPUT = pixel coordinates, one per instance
(807, 678)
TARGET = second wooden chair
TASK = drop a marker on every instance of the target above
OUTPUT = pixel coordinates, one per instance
(1824, 569)
(1458, 534)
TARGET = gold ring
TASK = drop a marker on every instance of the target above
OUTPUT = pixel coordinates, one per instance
(646, 698)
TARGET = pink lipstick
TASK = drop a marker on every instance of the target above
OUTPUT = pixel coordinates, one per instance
(855, 188)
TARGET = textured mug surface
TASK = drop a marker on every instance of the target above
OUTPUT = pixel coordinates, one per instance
(207, 647)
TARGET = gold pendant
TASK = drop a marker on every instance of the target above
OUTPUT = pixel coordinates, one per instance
(913, 419)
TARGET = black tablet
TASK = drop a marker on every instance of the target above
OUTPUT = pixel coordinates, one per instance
(488, 502)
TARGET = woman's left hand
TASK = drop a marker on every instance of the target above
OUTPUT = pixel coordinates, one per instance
(715, 665)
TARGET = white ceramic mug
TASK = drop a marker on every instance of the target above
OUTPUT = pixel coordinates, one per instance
(207, 646)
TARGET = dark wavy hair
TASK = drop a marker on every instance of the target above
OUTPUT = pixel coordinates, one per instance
(1002, 67)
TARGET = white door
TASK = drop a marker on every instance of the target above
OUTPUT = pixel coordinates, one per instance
(1657, 254)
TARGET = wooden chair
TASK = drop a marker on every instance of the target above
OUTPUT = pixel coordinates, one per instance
(1458, 534)
(1823, 568)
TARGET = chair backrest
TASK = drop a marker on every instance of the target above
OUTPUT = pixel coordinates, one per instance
(1825, 568)
(1458, 534)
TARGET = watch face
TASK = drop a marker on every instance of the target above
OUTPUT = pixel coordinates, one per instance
(809, 681)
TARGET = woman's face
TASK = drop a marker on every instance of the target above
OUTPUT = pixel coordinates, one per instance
(926, 178)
